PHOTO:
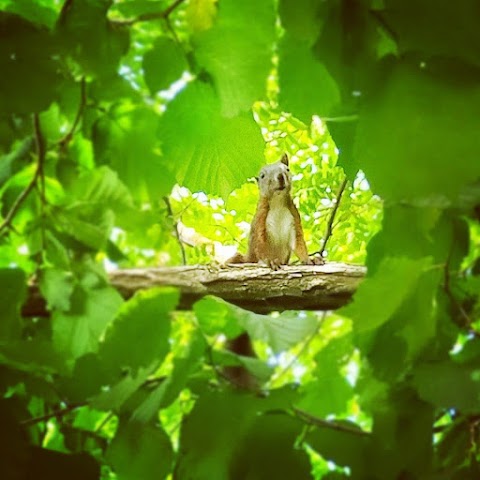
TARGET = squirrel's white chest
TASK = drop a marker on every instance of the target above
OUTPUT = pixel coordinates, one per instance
(281, 230)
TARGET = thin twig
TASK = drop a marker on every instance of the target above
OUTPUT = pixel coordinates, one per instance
(175, 228)
(320, 422)
(40, 144)
(146, 17)
(107, 418)
(304, 347)
(56, 413)
(329, 230)
(81, 108)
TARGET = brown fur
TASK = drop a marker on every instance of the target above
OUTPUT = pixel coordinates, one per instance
(269, 240)
(275, 232)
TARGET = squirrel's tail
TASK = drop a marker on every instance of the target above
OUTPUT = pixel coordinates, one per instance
(237, 258)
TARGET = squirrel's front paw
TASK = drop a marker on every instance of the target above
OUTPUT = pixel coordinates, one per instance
(315, 260)
(274, 264)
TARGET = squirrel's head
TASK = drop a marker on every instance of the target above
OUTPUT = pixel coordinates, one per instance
(275, 179)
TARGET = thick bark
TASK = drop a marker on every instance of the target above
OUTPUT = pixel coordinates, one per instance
(260, 289)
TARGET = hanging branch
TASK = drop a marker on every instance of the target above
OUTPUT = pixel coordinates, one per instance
(55, 414)
(81, 108)
(146, 17)
(175, 229)
(329, 231)
(320, 422)
(40, 145)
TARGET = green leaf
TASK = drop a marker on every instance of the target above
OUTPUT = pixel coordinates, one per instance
(22, 92)
(101, 190)
(126, 139)
(347, 46)
(380, 295)
(268, 451)
(330, 378)
(169, 389)
(402, 435)
(140, 451)
(392, 117)
(419, 313)
(117, 394)
(12, 296)
(302, 19)
(215, 316)
(279, 332)
(207, 452)
(426, 33)
(135, 8)
(343, 447)
(40, 12)
(139, 335)
(306, 87)
(93, 41)
(448, 385)
(240, 77)
(86, 380)
(343, 134)
(78, 331)
(57, 287)
(194, 133)
(163, 64)
(256, 367)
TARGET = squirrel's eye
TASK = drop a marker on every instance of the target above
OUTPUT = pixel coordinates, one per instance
(262, 175)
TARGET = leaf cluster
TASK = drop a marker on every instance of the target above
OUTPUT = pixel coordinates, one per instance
(129, 131)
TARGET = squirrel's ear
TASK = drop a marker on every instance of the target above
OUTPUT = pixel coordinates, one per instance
(284, 159)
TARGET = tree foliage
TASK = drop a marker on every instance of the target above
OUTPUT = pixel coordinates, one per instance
(129, 133)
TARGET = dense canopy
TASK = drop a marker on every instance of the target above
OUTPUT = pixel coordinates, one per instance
(130, 135)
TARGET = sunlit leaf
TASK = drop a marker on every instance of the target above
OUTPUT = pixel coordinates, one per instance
(194, 132)
(240, 78)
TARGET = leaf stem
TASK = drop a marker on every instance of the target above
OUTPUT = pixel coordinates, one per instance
(40, 145)
(63, 142)
(146, 17)
(320, 422)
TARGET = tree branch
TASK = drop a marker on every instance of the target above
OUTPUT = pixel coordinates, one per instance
(40, 145)
(329, 230)
(320, 422)
(55, 414)
(253, 287)
(146, 17)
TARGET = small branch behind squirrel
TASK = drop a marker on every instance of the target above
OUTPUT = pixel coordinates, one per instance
(175, 228)
(329, 231)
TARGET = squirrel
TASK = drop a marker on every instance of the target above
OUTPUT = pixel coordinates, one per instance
(276, 231)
